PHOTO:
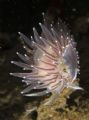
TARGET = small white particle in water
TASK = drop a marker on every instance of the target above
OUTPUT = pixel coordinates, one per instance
(74, 9)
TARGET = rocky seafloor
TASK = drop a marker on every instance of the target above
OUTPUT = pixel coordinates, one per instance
(13, 105)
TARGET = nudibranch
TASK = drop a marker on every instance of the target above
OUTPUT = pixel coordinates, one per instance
(55, 62)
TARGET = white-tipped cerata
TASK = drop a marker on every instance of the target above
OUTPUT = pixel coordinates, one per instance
(54, 64)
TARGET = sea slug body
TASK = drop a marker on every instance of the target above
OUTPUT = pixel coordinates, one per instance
(55, 61)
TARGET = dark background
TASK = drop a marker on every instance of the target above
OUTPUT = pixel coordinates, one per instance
(22, 15)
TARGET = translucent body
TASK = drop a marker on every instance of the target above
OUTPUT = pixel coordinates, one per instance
(55, 61)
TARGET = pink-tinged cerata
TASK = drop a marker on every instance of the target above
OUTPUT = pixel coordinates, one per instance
(54, 65)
